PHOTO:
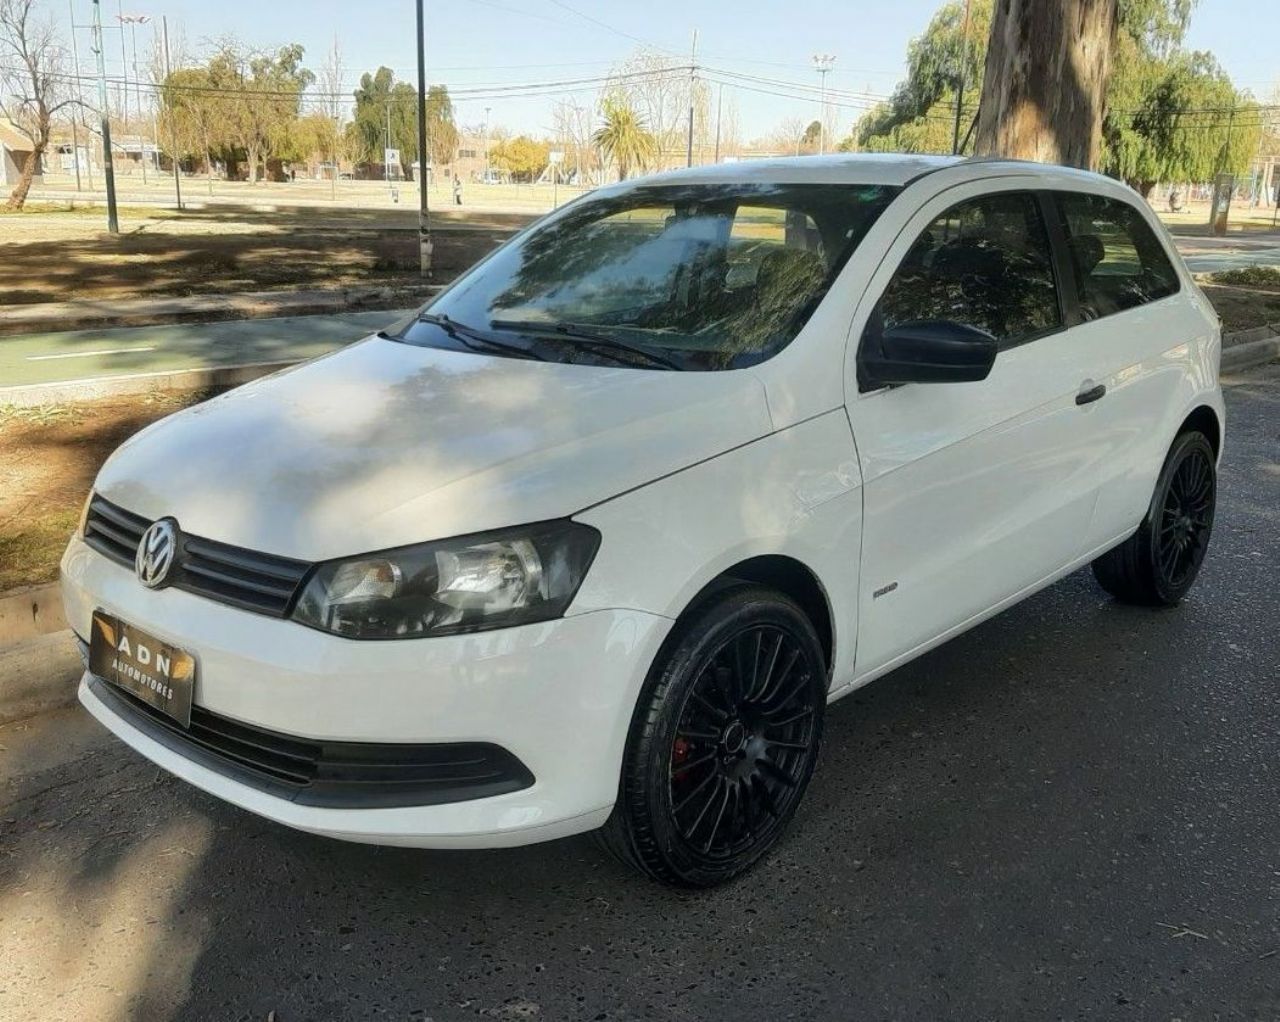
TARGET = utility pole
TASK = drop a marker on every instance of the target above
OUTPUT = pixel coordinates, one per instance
(108, 168)
(75, 131)
(719, 111)
(964, 66)
(822, 63)
(173, 127)
(424, 218)
(693, 82)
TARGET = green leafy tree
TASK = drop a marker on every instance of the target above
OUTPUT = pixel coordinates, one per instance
(522, 157)
(264, 93)
(1174, 115)
(382, 103)
(623, 137)
(920, 115)
(386, 117)
(1169, 113)
(442, 131)
(192, 125)
(315, 138)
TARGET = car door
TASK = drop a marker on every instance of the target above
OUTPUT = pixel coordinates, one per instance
(973, 492)
(1133, 347)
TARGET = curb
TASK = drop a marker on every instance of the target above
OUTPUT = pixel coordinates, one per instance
(27, 613)
(1250, 354)
(38, 675)
(141, 383)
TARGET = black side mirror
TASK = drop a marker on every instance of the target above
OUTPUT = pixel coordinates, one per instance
(925, 351)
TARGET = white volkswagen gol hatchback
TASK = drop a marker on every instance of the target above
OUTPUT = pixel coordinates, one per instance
(592, 540)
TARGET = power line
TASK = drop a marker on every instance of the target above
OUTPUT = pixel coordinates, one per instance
(612, 28)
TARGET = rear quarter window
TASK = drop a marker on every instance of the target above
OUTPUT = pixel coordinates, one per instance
(1118, 261)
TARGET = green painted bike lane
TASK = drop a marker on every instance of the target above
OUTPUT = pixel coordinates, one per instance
(58, 357)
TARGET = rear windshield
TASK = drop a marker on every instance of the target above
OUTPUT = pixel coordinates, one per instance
(700, 277)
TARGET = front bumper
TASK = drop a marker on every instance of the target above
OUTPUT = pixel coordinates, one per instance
(557, 695)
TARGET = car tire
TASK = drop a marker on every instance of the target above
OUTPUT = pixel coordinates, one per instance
(723, 741)
(1158, 564)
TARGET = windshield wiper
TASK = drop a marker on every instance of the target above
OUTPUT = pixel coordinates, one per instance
(611, 346)
(475, 339)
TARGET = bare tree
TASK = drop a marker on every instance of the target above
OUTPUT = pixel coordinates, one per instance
(787, 139)
(659, 92)
(730, 129)
(573, 125)
(33, 86)
(333, 105)
(1045, 79)
(333, 102)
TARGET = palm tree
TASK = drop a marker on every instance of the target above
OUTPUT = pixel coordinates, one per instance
(624, 138)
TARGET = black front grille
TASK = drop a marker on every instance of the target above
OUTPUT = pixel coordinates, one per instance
(114, 531)
(263, 583)
(347, 775)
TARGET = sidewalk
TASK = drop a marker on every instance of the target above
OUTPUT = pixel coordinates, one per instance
(66, 357)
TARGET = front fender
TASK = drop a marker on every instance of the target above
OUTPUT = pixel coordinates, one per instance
(795, 493)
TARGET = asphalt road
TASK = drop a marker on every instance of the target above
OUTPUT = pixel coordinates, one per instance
(1068, 813)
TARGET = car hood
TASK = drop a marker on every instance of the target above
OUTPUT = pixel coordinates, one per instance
(383, 444)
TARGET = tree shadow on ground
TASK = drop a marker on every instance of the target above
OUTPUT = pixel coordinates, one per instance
(144, 265)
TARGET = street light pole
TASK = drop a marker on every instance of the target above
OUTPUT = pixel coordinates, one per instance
(424, 220)
(133, 21)
(108, 168)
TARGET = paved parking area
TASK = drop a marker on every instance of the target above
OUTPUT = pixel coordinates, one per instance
(1071, 812)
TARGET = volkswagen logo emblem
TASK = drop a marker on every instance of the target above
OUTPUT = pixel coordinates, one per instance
(156, 550)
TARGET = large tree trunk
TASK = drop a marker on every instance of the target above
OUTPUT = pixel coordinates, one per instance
(1046, 74)
(18, 197)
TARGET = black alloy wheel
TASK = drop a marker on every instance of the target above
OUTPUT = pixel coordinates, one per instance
(1186, 518)
(743, 742)
(1158, 564)
(723, 742)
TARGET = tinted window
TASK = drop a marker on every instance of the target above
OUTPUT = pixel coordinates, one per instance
(712, 276)
(985, 263)
(1118, 260)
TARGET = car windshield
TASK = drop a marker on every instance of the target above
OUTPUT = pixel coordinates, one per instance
(698, 277)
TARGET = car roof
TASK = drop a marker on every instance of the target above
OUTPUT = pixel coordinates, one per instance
(896, 169)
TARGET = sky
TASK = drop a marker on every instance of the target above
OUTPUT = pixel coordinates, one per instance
(473, 43)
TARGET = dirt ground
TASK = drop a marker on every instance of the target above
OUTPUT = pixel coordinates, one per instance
(48, 460)
(51, 255)
(1244, 308)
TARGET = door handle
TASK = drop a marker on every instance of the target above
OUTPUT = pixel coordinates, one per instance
(1094, 393)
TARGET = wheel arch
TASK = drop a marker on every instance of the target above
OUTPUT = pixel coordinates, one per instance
(1204, 419)
(787, 575)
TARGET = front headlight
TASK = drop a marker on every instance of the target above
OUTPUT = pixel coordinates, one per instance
(489, 580)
